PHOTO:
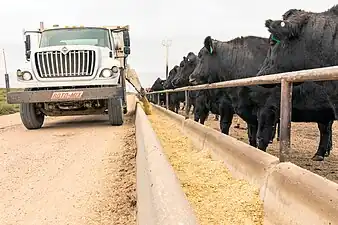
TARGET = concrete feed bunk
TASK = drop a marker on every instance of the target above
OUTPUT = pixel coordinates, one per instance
(290, 195)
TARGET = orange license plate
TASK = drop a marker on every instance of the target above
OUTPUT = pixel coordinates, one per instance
(67, 95)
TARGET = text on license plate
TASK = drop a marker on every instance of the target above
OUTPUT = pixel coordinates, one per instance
(67, 95)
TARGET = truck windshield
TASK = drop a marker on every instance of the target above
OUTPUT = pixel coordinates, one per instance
(75, 36)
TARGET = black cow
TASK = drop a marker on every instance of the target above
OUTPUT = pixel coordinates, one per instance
(187, 66)
(222, 61)
(158, 86)
(203, 98)
(174, 98)
(206, 99)
(304, 40)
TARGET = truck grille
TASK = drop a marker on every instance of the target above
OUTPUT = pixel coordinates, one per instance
(76, 63)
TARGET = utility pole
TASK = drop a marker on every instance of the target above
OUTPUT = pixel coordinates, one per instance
(6, 72)
(166, 44)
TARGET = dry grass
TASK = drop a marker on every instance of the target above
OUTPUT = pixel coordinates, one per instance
(215, 196)
(6, 108)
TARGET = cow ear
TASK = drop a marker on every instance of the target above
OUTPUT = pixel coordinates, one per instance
(208, 44)
(289, 13)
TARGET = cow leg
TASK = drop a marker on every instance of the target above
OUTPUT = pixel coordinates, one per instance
(177, 106)
(203, 117)
(183, 106)
(189, 108)
(329, 148)
(201, 114)
(225, 123)
(171, 104)
(196, 117)
(324, 143)
(272, 134)
(197, 113)
(226, 114)
(278, 129)
(252, 134)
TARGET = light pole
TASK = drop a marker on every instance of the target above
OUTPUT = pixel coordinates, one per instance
(6, 73)
(166, 44)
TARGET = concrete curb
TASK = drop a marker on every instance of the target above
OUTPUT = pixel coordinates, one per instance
(291, 195)
(160, 198)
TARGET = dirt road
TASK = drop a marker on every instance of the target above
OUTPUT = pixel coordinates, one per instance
(76, 170)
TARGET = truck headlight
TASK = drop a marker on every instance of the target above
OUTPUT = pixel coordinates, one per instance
(26, 75)
(18, 73)
(106, 73)
(115, 69)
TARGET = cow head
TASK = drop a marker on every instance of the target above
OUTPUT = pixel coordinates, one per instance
(267, 118)
(208, 63)
(287, 42)
(186, 68)
(171, 76)
(158, 85)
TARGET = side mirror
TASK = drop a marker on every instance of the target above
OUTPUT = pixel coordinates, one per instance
(28, 47)
(126, 39)
(126, 50)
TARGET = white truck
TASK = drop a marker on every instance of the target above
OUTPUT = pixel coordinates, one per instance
(73, 71)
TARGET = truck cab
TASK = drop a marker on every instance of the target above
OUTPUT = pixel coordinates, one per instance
(73, 71)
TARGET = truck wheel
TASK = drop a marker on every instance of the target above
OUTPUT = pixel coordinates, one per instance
(115, 111)
(30, 116)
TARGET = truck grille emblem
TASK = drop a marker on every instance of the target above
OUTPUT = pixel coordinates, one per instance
(64, 50)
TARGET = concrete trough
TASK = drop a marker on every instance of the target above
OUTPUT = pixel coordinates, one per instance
(291, 195)
(160, 198)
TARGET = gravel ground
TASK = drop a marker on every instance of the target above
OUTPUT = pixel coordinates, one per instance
(76, 170)
(215, 196)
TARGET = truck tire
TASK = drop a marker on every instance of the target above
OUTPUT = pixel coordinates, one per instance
(30, 118)
(115, 111)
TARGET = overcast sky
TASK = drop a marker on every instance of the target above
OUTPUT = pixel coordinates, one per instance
(186, 23)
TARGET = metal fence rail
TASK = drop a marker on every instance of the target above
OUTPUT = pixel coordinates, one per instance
(286, 80)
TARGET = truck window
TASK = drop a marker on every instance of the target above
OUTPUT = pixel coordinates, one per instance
(76, 36)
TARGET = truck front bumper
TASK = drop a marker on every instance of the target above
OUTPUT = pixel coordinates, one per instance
(62, 95)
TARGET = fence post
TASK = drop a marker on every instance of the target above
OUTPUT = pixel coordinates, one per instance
(158, 99)
(167, 100)
(187, 104)
(285, 121)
